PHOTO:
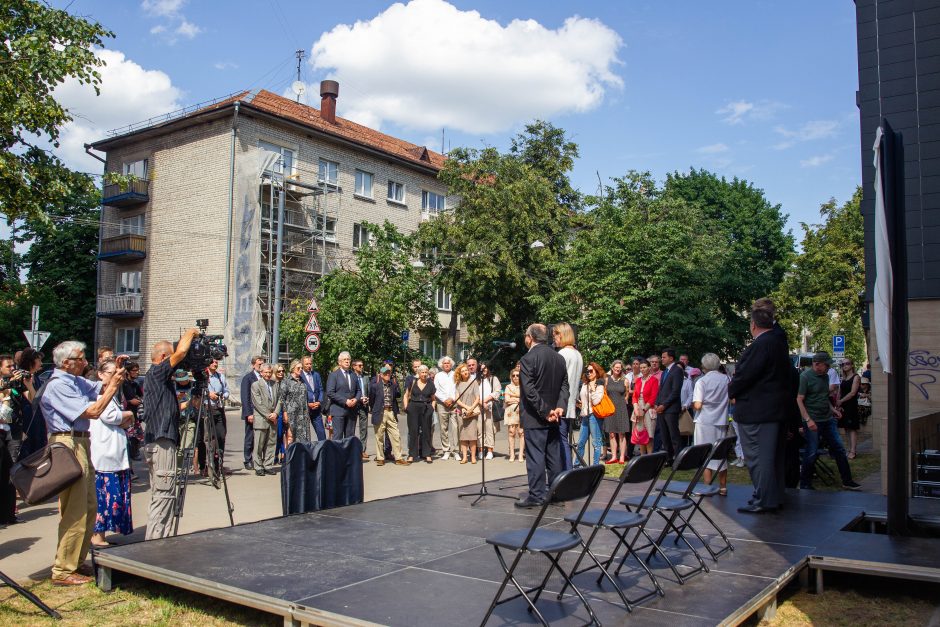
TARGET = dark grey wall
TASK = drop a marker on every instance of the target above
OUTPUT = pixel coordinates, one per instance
(899, 79)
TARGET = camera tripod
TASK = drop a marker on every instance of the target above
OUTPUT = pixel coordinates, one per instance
(29, 596)
(205, 427)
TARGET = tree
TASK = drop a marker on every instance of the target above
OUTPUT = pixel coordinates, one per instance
(365, 309)
(740, 217)
(624, 285)
(483, 246)
(14, 306)
(823, 291)
(42, 47)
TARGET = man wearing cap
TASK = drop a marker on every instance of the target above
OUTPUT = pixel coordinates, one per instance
(383, 399)
(343, 390)
(817, 411)
(266, 400)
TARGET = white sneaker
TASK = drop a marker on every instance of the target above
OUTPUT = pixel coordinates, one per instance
(445, 456)
(479, 454)
(489, 455)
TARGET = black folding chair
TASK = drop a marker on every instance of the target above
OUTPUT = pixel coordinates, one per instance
(720, 452)
(669, 507)
(640, 469)
(571, 485)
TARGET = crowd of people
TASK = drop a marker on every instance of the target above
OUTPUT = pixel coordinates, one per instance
(108, 416)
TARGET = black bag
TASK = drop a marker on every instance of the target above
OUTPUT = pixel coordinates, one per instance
(45, 473)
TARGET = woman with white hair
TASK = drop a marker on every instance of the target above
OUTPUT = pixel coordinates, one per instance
(417, 406)
(710, 400)
(294, 396)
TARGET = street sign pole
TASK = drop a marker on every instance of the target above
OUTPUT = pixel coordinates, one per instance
(34, 336)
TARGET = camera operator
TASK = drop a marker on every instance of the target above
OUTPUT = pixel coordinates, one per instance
(16, 390)
(218, 393)
(162, 436)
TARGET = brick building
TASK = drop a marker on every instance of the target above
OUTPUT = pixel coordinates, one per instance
(193, 233)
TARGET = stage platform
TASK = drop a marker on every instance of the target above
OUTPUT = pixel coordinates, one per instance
(422, 559)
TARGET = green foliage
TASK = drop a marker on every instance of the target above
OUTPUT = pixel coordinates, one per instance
(123, 181)
(641, 276)
(483, 245)
(364, 310)
(823, 292)
(42, 47)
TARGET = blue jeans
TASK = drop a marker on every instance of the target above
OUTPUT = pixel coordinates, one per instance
(828, 431)
(593, 425)
(563, 426)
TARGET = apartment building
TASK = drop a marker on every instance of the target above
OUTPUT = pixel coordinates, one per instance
(190, 230)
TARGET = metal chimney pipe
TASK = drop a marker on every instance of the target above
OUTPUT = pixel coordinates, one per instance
(329, 92)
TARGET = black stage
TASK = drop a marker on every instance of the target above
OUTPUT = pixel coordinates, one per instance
(422, 559)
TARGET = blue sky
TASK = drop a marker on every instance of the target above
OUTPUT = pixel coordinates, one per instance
(756, 89)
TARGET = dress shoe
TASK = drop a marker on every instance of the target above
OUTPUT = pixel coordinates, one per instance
(249, 466)
(260, 473)
(757, 509)
(380, 462)
(402, 462)
(72, 580)
(365, 457)
(528, 503)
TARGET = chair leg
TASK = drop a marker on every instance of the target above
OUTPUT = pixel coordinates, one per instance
(727, 547)
(604, 573)
(584, 601)
(702, 565)
(509, 578)
(658, 542)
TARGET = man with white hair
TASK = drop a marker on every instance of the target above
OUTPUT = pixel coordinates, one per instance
(342, 388)
(446, 395)
(68, 403)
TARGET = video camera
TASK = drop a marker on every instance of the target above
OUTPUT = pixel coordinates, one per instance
(15, 383)
(202, 351)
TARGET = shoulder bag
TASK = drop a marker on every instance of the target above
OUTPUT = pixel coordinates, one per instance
(686, 424)
(605, 407)
(45, 473)
(499, 410)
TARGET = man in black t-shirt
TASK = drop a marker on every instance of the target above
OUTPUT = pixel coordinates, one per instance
(161, 437)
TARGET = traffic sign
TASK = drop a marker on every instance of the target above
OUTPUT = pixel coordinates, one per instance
(838, 345)
(405, 335)
(34, 336)
(313, 325)
(312, 343)
(313, 307)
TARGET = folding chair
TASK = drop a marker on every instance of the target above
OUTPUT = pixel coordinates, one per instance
(669, 507)
(571, 485)
(720, 452)
(640, 469)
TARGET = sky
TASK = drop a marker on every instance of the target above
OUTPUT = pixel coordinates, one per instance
(754, 89)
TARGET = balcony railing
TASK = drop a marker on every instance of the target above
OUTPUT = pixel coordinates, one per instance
(123, 248)
(133, 193)
(120, 305)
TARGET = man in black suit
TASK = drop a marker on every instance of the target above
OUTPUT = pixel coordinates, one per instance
(543, 388)
(669, 403)
(383, 401)
(761, 392)
(342, 388)
(248, 409)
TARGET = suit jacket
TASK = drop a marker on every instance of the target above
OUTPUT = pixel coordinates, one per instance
(247, 408)
(315, 391)
(264, 403)
(339, 391)
(366, 386)
(543, 385)
(377, 399)
(761, 385)
(670, 391)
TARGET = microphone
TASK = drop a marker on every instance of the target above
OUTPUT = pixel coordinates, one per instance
(502, 344)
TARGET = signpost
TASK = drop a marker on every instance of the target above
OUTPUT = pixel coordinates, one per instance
(838, 346)
(312, 343)
(34, 336)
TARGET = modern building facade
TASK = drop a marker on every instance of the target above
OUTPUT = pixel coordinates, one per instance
(189, 228)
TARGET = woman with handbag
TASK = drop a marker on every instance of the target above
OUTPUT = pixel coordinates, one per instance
(417, 406)
(592, 394)
(491, 415)
(511, 407)
(618, 424)
(468, 410)
(645, 390)
(112, 467)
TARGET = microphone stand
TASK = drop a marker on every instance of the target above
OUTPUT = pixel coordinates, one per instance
(483, 492)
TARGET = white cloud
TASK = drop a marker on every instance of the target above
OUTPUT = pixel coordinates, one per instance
(816, 161)
(187, 29)
(225, 65)
(129, 93)
(162, 8)
(741, 111)
(171, 12)
(427, 65)
(156, 30)
(713, 149)
(810, 131)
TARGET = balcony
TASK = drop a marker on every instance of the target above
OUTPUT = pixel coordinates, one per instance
(134, 193)
(120, 305)
(123, 248)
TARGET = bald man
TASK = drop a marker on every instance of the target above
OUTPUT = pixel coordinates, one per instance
(162, 436)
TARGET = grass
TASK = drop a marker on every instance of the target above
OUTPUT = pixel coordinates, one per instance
(133, 602)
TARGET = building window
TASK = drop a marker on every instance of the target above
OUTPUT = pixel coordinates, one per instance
(443, 299)
(431, 203)
(431, 347)
(329, 172)
(133, 225)
(282, 165)
(463, 351)
(136, 168)
(361, 236)
(127, 341)
(364, 184)
(330, 233)
(396, 192)
(130, 283)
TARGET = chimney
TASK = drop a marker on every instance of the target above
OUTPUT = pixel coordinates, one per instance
(329, 90)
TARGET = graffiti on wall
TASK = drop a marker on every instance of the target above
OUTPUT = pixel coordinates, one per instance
(923, 370)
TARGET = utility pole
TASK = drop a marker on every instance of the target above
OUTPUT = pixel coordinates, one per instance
(300, 57)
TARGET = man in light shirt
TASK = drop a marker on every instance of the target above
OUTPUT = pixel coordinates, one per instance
(446, 400)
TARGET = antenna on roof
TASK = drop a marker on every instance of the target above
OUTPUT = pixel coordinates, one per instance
(298, 87)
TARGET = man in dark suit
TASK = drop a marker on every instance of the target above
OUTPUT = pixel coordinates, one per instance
(314, 385)
(669, 403)
(342, 388)
(362, 410)
(543, 384)
(761, 391)
(383, 400)
(248, 409)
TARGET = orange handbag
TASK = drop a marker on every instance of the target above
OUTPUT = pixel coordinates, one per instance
(605, 407)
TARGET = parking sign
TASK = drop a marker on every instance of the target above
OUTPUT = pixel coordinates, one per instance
(838, 346)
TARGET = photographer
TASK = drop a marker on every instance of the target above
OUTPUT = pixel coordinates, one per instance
(218, 393)
(16, 390)
(161, 437)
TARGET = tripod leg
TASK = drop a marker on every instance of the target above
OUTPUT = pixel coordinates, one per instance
(32, 598)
